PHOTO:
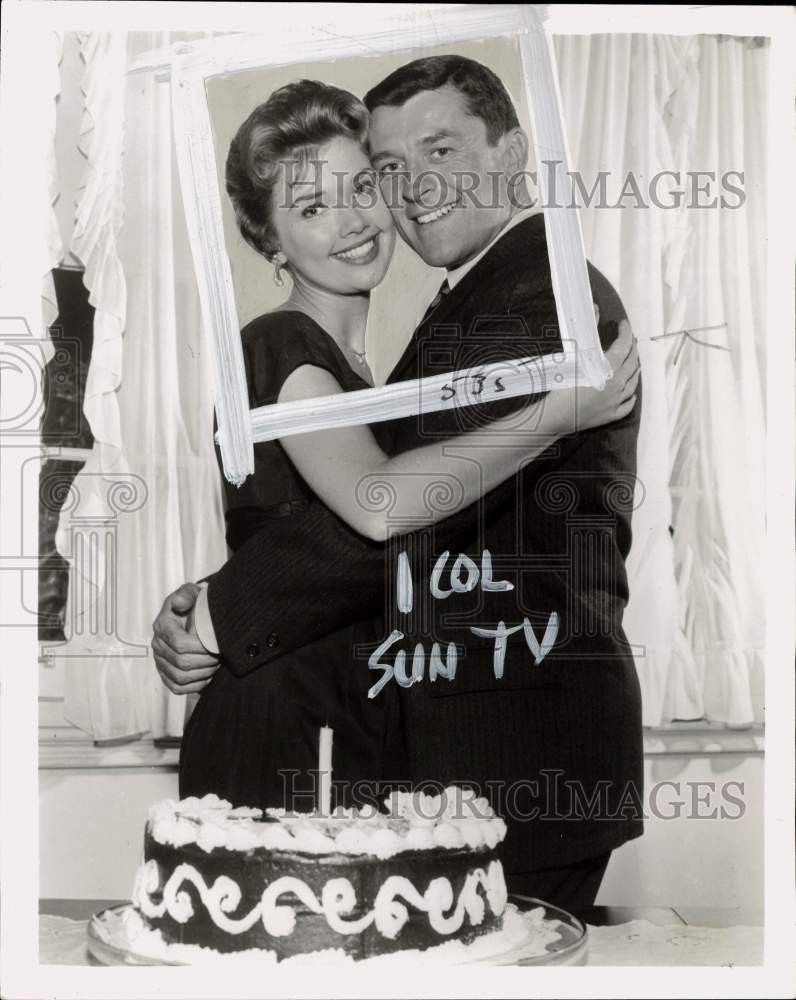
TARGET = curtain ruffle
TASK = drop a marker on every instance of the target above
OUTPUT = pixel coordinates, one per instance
(148, 514)
(101, 695)
(98, 222)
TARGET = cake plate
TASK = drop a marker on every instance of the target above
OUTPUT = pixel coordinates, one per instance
(109, 942)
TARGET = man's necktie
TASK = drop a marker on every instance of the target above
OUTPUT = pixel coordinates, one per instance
(444, 288)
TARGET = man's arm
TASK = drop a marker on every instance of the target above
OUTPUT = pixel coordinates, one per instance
(292, 583)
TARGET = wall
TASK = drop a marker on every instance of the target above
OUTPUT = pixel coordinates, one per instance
(91, 825)
(694, 860)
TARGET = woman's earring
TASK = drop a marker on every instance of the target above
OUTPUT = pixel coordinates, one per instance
(278, 279)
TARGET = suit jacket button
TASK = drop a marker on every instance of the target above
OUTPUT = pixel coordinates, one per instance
(253, 650)
(272, 640)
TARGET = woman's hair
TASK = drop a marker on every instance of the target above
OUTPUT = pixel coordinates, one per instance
(291, 125)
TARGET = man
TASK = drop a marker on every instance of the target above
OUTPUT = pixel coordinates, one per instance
(551, 735)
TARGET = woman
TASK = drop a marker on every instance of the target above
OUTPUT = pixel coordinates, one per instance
(306, 199)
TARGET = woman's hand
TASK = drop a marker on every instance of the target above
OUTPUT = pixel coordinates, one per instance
(581, 408)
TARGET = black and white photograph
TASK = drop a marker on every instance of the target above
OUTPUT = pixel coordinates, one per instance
(397, 537)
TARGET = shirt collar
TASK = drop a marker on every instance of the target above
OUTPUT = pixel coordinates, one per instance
(456, 275)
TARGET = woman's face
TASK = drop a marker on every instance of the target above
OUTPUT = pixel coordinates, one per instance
(331, 222)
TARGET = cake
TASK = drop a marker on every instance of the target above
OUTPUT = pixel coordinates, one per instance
(357, 884)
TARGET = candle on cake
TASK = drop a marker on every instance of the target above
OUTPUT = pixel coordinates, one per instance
(325, 771)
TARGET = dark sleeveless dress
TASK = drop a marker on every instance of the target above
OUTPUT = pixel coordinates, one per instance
(254, 739)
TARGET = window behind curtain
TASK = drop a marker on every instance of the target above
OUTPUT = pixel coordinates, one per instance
(66, 439)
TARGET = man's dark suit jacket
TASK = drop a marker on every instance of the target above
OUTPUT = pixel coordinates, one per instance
(556, 746)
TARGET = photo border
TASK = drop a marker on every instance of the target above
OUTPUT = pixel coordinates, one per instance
(24, 977)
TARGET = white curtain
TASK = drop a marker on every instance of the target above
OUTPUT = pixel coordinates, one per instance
(632, 103)
(148, 514)
(645, 104)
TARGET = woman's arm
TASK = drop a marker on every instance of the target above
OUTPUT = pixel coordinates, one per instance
(345, 466)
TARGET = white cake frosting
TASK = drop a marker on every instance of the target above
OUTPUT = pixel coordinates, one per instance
(413, 822)
(337, 899)
(530, 931)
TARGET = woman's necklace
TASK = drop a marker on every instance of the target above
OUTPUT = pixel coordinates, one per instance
(357, 358)
(360, 357)
(357, 361)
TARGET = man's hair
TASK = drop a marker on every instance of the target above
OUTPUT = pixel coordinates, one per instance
(290, 126)
(486, 96)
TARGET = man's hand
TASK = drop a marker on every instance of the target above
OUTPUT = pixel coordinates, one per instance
(183, 663)
(582, 408)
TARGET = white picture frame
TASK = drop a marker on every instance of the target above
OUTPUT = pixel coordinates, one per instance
(190, 66)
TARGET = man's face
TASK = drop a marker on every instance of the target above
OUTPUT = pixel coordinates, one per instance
(443, 182)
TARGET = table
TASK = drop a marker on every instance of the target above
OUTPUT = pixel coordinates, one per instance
(618, 935)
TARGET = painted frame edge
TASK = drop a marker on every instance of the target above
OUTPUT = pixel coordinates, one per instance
(478, 385)
(238, 427)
